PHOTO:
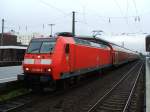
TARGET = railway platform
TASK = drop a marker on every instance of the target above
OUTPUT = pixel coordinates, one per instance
(9, 73)
(148, 84)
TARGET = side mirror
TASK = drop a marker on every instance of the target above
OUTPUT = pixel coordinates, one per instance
(67, 49)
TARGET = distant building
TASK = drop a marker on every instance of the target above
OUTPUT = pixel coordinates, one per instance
(24, 39)
(12, 38)
(8, 39)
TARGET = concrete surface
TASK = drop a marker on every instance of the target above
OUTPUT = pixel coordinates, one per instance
(9, 73)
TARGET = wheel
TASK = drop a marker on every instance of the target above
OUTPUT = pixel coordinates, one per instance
(62, 84)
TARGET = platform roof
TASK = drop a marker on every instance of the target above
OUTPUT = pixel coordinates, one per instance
(13, 47)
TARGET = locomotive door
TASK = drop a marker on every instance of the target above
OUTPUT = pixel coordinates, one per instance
(115, 58)
(70, 56)
(112, 57)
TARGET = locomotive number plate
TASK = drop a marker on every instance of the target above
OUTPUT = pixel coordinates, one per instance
(37, 70)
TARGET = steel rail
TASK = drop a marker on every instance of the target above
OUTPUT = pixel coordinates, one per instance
(110, 90)
(132, 91)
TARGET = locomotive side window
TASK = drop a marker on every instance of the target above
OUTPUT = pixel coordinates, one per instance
(89, 43)
(95, 44)
(83, 42)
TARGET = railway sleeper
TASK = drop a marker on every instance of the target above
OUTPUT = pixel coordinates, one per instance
(100, 110)
(114, 102)
(116, 105)
(108, 109)
(116, 96)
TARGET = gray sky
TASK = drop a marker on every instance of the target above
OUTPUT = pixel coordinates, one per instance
(111, 16)
(133, 42)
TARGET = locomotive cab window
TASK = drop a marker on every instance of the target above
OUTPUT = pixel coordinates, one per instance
(41, 46)
(47, 47)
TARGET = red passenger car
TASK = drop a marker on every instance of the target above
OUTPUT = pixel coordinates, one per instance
(122, 55)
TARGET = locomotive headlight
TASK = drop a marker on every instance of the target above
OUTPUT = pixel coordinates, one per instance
(27, 69)
(46, 61)
(49, 70)
(28, 61)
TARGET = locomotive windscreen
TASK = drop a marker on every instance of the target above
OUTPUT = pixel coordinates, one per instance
(41, 46)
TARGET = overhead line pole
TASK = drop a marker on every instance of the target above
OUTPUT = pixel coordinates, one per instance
(73, 23)
(51, 25)
(2, 32)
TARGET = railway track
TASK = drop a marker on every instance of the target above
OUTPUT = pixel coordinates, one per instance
(28, 99)
(15, 103)
(118, 98)
(70, 101)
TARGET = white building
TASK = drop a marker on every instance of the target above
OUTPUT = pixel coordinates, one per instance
(24, 39)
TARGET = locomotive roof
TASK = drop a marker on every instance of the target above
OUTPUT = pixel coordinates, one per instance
(43, 39)
(99, 40)
(94, 39)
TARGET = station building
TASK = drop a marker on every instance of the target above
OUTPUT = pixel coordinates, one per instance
(8, 39)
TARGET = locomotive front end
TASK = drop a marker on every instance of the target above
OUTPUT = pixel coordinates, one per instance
(37, 65)
(38, 58)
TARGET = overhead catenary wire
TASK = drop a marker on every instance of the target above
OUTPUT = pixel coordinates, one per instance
(127, 8)
(125, 16)
(84, 14)
(136, 10)
(137, 17)
(118, 7)
(107, 19)
(87, 22)
(52, 6)
(26, 28)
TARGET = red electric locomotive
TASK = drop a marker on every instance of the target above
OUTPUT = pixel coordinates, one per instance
(48, 60)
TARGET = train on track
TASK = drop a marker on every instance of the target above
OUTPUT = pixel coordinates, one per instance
(48, 61)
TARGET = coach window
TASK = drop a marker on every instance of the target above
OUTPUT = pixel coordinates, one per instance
(82, 42)
(77, 41)
(85, 42)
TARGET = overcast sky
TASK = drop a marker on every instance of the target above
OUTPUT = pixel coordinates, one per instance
(111, 16)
